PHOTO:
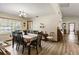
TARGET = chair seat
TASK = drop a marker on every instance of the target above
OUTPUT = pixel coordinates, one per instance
(50, 37)
(28, 44)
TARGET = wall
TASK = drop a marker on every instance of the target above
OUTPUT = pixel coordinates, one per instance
(13, 17)
(68, 20)
(51, 22)
(58, 14)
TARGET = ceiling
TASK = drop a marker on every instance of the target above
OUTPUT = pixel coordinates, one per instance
(39, 9)
(70, 9)
(33, 9)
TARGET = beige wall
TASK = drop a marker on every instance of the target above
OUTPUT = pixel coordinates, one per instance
(51, 22)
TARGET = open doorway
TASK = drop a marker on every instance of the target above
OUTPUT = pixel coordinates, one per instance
(71, 28)
(71, 36)
(64, 27)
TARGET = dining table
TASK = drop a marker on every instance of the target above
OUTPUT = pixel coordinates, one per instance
(28, 39)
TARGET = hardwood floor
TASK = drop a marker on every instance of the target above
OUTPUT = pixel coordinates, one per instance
(68, 46)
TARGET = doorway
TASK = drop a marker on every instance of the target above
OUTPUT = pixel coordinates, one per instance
(71, 36)
(29, 25)
(71, 28)
(64, 27)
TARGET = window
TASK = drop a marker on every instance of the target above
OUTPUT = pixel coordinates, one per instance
(9, 25)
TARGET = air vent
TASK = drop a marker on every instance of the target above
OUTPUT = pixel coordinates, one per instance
(64, 4)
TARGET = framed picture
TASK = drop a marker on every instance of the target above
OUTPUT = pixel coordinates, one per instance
(42, 25)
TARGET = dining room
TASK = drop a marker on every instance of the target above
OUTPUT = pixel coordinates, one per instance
(28, 28)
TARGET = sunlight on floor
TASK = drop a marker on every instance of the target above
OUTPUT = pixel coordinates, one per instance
(71, 37)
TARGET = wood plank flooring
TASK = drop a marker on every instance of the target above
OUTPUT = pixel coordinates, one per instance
(68, 46)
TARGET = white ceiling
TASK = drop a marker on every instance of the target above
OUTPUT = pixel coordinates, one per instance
(71, 9)
(33, 9)
(39, 9)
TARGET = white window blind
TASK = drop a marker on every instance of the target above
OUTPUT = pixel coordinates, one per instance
(9, 25)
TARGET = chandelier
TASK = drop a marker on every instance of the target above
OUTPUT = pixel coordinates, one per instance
(23, 14)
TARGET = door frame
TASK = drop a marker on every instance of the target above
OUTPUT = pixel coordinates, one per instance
(28, 25)
(64, 27)
(69, 27)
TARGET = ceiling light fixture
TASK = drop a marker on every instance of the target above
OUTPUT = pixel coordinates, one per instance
(23, 14)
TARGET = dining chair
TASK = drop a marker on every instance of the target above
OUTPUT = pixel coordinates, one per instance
(20, 41)
(34, 44)
(45, 36)
(39, 38)
(51, 33)
(28, 31)
(35, 32)
(51, 36)
(25, 32)
(13, 38)
(37, 42)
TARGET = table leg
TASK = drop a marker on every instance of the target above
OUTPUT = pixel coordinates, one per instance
(29, 50)
(12, 43)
